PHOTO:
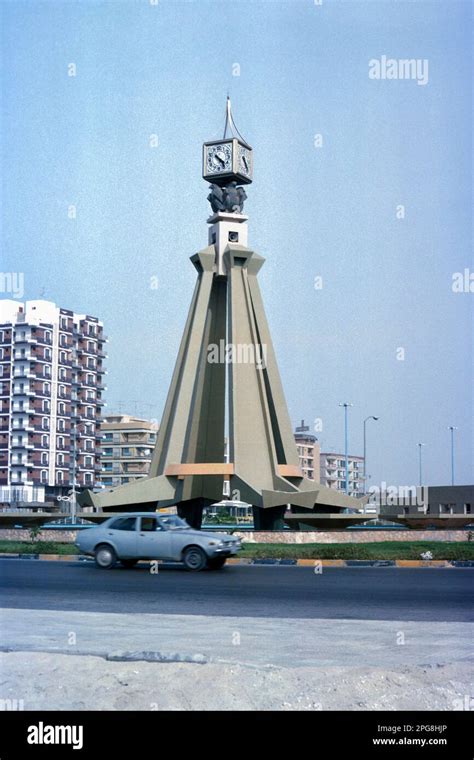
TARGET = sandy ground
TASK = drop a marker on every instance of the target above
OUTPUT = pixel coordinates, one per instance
(46, 681)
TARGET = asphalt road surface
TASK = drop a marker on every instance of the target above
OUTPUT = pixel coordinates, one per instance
(426, 594)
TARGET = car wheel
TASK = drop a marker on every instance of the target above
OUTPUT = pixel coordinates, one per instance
(216, 563)
(128, 563)
(105, 557)
(194, 558)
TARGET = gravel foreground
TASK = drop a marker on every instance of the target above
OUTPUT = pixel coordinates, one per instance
(46, 681)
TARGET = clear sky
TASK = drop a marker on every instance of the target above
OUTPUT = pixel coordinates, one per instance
(331, 212)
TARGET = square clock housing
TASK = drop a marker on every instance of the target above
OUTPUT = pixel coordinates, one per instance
(227, 160)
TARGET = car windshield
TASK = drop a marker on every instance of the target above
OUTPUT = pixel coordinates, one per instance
(173, 522)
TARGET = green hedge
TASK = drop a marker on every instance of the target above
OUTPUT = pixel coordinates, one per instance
(376, 550)
(37, 547)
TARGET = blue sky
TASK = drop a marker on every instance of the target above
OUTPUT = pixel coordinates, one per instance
(165, 69)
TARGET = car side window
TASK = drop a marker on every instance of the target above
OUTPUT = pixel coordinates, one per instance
(124, 523)
(150, 524)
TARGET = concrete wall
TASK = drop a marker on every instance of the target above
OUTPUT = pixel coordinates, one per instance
(286, 537)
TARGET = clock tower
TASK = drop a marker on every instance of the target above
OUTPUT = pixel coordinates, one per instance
(226, 382)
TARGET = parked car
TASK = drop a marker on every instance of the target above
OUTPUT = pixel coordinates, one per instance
(147, 535)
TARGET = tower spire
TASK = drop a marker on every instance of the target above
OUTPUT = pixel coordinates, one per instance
(230, 124)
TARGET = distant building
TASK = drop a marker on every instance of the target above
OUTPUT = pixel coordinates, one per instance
(308, 451)
(333, 472)
(433, 501)
(127, 448)
(51, 388)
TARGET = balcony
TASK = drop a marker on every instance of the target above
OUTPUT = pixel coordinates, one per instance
(24, 392)
(25, 410)
(16, 444)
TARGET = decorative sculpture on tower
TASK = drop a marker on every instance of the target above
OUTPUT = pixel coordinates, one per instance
(241, 388)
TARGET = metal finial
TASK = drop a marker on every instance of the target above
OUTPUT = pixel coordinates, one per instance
(230, 123)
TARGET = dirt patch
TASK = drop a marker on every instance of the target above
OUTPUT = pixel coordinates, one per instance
(47, 681)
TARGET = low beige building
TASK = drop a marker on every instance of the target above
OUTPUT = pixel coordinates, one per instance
(127, 448)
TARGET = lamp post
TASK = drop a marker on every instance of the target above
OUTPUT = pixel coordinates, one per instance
(346, 436)
(371, 417)
(420, 464)
(452, 428)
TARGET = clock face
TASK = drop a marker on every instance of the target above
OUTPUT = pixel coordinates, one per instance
(219, 158)
(245, 161)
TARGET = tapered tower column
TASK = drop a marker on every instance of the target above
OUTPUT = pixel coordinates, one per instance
(225, 369)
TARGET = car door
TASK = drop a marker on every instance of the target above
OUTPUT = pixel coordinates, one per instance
(122, 534)
(153, 541)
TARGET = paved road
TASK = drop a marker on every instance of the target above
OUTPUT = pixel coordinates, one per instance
(444, 595)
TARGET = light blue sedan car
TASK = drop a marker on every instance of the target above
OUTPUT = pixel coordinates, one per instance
(147, 535)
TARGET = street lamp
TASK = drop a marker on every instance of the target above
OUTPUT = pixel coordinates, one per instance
(346, 454)
(371, 417)
(452, 428)
(420, 466)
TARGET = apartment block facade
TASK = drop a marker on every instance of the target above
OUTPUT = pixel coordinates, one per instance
(127, 448)
(308, 449)
(333, 472)
(51, 388)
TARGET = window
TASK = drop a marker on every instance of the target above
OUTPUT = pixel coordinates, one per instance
(150, 524)
(47, 336)
(61, 426)
(88, 462)
(91, 362)
(90, 379)
(45, 440)
(44, 457)
(46, 370)
(88, 445)
(44, 476)
(59, 477)
(63, 357)
(47, 354)
(62, 339)
(60, 459)
(45, 423)
(46, 405)
(64, 323)
(61, 407)
(62, 373)
(46, 388)
(88, 478)
(125, 523)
